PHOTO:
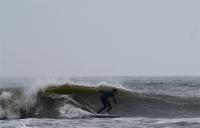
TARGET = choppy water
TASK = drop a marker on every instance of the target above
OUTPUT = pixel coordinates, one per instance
(143, 102)
(102, 123)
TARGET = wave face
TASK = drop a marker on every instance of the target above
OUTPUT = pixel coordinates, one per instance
(137, 97)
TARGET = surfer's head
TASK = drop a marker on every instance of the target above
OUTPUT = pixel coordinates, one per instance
(114, 90)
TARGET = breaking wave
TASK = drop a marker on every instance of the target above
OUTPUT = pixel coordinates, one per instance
(72, 100)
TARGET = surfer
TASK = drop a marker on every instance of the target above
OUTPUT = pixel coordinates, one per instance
(104, 99)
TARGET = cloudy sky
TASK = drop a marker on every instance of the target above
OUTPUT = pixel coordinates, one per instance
(99, 37)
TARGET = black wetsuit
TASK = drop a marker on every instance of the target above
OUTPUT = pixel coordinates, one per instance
(104, 100)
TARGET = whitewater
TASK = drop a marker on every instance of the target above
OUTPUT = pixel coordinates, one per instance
(143, 102)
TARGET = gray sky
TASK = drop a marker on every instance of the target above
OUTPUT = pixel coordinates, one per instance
(99, 38)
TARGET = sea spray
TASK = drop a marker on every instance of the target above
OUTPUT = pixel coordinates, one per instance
(9, 105)
(19, 100)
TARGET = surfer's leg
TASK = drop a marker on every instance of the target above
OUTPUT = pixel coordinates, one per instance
(109, 106)
(104, 106)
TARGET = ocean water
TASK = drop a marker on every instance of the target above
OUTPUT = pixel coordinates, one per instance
(142, 102)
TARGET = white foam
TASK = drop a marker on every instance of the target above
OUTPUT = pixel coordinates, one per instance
(5, 95)
(70, 111)
(102, 84)
(8, 106)
(26, 123)
(188, 120)
(112, 85)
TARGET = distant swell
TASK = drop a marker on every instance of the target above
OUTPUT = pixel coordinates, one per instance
(77, 101)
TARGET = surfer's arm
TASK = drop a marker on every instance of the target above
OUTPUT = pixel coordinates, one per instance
(114, 100)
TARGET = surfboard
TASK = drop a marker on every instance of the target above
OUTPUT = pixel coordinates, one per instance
(103, 116)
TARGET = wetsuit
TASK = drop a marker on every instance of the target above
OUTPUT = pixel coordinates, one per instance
(104, 100)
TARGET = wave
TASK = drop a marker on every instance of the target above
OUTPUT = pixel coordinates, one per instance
(79, 101)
